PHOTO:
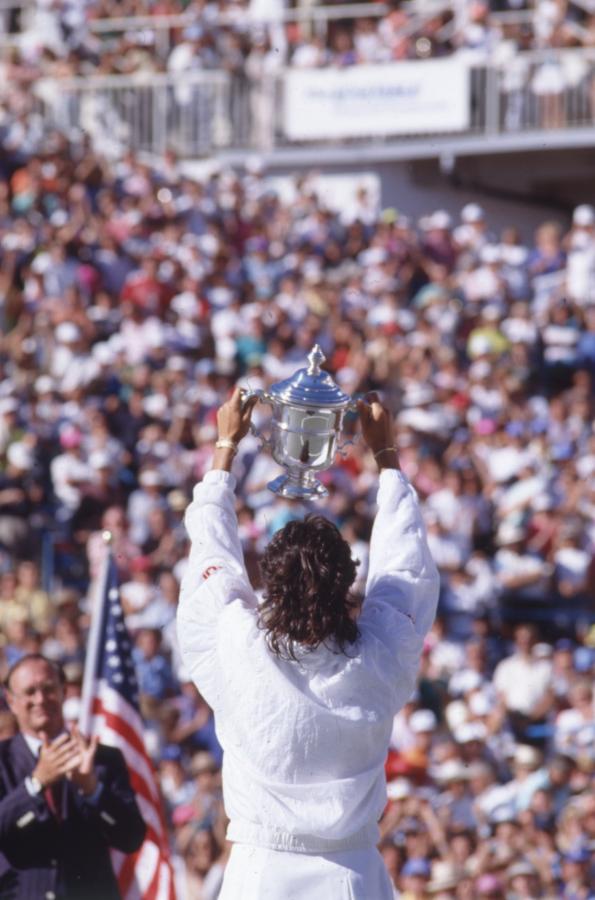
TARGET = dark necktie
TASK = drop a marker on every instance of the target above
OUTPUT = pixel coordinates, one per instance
(53, 798)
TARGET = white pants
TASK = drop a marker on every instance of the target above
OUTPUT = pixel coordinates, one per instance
(256, 873)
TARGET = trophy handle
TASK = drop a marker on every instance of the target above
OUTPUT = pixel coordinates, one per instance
(263, 397)
(246, 395)
(340, 449)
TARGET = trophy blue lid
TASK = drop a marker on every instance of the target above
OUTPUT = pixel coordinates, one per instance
(310, 387)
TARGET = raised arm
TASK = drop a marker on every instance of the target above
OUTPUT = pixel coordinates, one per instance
(215, 575)
(402, 574)
(210, 519)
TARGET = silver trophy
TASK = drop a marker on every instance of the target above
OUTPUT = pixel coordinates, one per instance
(308, 411)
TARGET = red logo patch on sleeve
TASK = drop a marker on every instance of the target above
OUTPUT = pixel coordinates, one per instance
(209, 571)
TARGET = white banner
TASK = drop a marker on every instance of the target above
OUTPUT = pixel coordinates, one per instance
(423, 97)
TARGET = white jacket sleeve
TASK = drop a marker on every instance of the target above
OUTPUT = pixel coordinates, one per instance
(402, 572)
(214, 577)
(402, 587)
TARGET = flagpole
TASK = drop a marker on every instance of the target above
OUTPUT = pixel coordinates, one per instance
(99, 600)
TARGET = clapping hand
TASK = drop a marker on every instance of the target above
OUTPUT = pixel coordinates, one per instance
(83, 775)
(56, 759)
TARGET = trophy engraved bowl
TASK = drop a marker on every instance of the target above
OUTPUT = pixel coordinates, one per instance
(308, 411)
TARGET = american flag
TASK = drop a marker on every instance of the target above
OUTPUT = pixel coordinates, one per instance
(110, 709)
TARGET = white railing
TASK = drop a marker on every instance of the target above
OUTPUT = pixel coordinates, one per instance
(192, 112)
(198, 113)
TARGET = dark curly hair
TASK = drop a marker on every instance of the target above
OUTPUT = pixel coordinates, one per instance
(307, 572)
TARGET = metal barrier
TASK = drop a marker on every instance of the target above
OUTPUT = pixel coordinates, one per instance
(198, 113)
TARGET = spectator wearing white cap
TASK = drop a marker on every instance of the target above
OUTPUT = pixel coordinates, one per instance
(519, 326)
(70, 472)
(423, 725)
(310, 53)
(485, 282)
(574, 727)
(522, 574)
(46, 407)
(473, 217)
(455, 802)
(528, 776)
(73, 366)
(148, 496)
(580, 247)
(423, 721)
(402, 736)
(515, 497)
(572, 565)
(446, 879)
(437, 242)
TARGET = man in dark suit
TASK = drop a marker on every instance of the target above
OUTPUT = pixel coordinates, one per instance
(64, 800)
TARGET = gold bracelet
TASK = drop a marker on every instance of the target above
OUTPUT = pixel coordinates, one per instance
(226, 444)
(384, 450)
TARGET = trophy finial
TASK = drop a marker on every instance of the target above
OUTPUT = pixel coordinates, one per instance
(315, 359)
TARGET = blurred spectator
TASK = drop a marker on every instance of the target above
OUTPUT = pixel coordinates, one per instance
(155, 677)
(523, 684)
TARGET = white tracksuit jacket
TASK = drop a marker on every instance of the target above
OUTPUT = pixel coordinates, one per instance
(304, 742)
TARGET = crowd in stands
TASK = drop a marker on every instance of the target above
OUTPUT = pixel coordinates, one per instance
(133, 298)
(58, 38)
(255, 42)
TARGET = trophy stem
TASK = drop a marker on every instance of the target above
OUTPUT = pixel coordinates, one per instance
(298, 484)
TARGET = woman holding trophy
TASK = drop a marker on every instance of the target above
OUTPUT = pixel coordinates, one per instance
(305, 686)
